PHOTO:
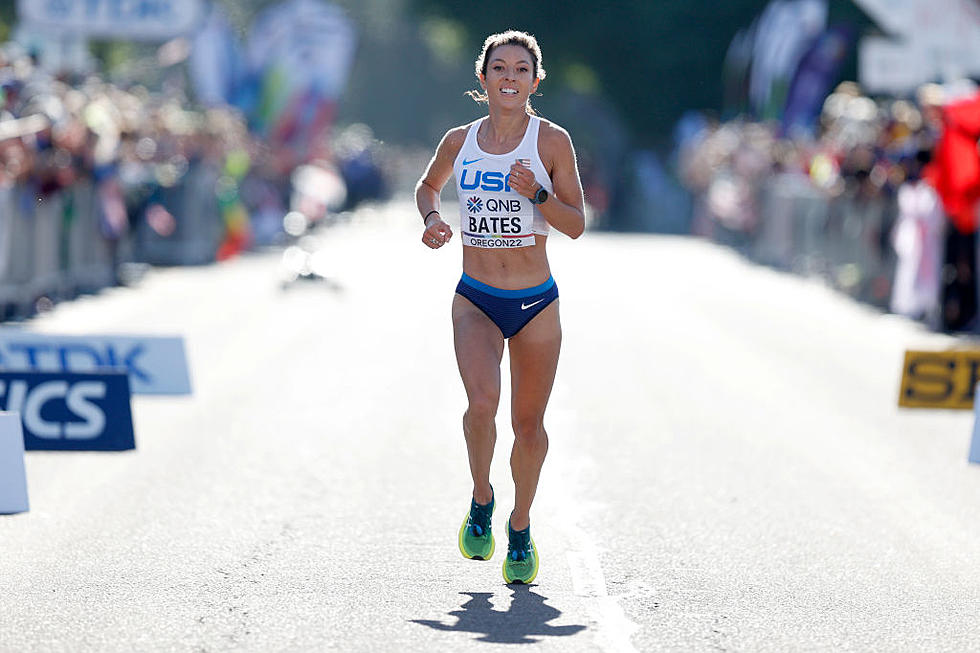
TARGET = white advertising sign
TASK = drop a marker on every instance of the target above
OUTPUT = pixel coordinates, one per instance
(149, 20)
(885, 66)
(940, 22)
(934, 40)
(13, 478)
(155, 364)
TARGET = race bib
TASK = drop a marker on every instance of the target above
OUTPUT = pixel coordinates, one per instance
(495, 223)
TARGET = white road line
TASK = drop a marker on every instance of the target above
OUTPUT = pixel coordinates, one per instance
(613, 627)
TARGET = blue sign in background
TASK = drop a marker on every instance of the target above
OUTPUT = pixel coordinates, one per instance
(156, 364)
(70, 412)
(154, 20)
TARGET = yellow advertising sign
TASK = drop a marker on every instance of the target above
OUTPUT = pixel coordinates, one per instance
(940, 379)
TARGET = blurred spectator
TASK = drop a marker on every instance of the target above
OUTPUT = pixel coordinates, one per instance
(92, 175)
(918, 240)
(849, 199)
(955, 174)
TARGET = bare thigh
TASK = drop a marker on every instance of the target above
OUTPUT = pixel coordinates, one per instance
(479, 350)
(533, 364)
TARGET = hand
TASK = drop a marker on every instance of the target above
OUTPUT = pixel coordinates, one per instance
(437, 233)
(522, 180)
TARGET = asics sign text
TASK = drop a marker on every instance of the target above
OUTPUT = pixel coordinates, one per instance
(88, 412)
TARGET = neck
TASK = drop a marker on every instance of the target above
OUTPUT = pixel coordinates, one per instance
(506, 125)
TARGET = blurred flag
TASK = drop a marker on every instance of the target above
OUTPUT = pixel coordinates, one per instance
(300, 53)
(785, 31)
(214, 61)
(287, 76)
(736, 72)
(815, 74)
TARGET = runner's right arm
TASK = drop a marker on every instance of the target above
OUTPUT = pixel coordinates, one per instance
(427, 191)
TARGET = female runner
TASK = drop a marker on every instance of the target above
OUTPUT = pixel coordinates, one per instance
(516, 176)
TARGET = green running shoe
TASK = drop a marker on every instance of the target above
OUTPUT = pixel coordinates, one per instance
(521, 565)
(475, 535)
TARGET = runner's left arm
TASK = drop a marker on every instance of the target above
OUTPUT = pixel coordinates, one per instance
(565, 208)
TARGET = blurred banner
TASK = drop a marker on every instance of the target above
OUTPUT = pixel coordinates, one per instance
(817, 71)
(156, 364)
(781, 67)
(214, 63)
(287, 76)
(783, 34)
(158, 20)
(70, 412)
(930, 40)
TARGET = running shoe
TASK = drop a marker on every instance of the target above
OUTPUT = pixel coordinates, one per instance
(475, 535)
(521, 565)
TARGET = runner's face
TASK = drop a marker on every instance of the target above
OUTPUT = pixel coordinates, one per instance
(510, 76)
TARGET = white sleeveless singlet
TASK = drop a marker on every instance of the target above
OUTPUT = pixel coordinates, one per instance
(492, 215)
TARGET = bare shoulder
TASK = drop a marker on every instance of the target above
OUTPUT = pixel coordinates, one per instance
(453, 141)
(554, 142)
(553, 135)
(555, 145)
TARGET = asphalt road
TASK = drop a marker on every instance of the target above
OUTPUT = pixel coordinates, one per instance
(728, 469)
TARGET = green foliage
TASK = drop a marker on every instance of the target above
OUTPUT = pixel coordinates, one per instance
(8, 16)
(653, 59)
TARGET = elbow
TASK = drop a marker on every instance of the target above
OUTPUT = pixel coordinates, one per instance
(577, 231)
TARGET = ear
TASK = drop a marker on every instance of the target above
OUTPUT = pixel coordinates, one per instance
(483, 81)
(534, 87)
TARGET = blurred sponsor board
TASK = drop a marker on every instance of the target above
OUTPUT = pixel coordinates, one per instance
(13, 478)
(73, 412)
(939, 379)
(155, 364)
(150, 20)
(928, 40)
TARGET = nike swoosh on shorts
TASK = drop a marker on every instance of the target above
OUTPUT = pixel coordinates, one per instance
(524, 306)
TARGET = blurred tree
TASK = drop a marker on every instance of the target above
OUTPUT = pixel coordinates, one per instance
(8, 15)
(653, 60)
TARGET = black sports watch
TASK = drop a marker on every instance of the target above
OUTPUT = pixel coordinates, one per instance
(540, 197)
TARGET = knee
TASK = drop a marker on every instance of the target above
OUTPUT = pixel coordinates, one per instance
(482, 408)
(530, 433)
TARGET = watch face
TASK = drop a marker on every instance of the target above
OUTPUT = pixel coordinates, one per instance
(540, 196)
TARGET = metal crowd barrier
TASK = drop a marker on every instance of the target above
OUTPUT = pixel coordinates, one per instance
(843, 239)
(55, 247)
(199, 226)
(50, 247)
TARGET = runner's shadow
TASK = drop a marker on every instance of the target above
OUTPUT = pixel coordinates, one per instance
(525, 622)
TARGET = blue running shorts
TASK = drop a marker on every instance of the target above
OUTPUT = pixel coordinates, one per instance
(510, 310)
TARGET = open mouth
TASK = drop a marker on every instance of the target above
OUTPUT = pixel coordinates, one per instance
(509, 91)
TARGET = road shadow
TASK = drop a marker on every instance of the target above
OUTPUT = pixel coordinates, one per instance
(524, 622)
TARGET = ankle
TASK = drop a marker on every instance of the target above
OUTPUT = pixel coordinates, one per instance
(519, 522)
(483, 496)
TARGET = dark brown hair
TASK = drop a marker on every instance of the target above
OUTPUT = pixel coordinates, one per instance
(510, 37)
